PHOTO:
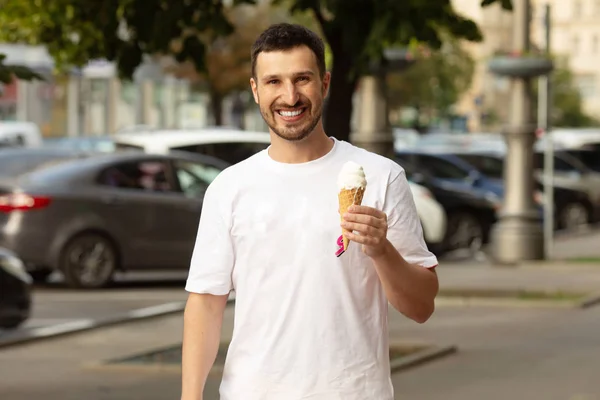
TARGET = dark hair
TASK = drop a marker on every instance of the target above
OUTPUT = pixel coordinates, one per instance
(286, 37)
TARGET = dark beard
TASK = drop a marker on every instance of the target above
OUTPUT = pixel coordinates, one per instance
(303, 134)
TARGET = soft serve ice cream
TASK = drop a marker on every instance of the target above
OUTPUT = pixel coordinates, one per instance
(351, 189)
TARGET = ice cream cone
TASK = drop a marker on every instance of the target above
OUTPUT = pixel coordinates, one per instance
(348, 197)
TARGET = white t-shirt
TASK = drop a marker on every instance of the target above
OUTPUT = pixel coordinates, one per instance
(310, 323)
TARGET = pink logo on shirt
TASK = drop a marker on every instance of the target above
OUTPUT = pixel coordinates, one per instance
(340, 243)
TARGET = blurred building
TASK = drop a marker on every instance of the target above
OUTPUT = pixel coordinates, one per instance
(575, 40)
(484, 104)
(93, 101)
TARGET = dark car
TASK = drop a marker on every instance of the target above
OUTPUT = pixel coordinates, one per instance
(572, 208)
(15, 292)
(471, 213)
(89, 214)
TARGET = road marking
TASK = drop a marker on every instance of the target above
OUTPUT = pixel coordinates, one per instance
(63, 328)
(108, 296)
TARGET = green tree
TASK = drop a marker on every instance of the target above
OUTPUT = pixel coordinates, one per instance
(567, 105)
(77, 31)
(357, 32)
(435, 82)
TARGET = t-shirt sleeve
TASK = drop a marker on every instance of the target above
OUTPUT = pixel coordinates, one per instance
(213, 258)
(404, 226)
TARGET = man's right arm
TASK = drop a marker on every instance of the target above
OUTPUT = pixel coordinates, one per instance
(203, 318)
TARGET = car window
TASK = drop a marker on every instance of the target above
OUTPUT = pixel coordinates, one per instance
(442, 169)
(589, 158)
(152, 176)
(560, 163)
(489, 166)
(230, 152)
(194, 178)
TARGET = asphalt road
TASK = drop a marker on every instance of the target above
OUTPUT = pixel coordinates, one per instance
(55, 305)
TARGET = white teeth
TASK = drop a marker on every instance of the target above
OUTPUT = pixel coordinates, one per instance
(290, 113)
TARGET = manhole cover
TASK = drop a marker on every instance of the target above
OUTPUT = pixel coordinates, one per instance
(172, 355)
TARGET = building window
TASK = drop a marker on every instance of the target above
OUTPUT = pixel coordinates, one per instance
(595, 44)
(597, 7)
(574, 44)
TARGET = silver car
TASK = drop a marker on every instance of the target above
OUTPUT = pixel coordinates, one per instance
(88, 215)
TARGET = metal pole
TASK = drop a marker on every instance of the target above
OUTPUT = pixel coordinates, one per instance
(519, 235)
(544, 122)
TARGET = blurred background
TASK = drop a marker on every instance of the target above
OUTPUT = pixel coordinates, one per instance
(115, 116)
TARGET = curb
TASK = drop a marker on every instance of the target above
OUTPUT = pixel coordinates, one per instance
(13, 338)
(421, 357)
(473, 301)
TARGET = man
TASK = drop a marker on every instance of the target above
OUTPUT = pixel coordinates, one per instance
(309, 323)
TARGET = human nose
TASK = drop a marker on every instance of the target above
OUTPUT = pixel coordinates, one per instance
(290, 95)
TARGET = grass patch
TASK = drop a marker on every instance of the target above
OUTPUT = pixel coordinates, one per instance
(517, 294)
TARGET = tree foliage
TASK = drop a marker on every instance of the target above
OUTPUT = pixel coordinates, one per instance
(567, 103)
(435, 82)
(357, 32)
(77, 31)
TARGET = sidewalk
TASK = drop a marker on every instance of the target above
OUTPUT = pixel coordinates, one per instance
(492, 343)
(553, 276)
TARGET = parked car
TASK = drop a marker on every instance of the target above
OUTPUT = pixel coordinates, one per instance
(470, 213)
(88, 215)
(572, 208)
(15, 291)
(19, 134)
(588, 157)
(432, 216)
(570, 173)
(228, 144)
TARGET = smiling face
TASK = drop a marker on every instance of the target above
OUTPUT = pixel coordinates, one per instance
(289, 91)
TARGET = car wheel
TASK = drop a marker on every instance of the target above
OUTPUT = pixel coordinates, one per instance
(465, 231)
(89, 261)
(574, 216)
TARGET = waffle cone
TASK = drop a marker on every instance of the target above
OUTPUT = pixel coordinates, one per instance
(348, 197)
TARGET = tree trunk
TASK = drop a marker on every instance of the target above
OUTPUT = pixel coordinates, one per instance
(216, 105)
(338, 109)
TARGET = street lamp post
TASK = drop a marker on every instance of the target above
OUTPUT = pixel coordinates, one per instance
(518, 235)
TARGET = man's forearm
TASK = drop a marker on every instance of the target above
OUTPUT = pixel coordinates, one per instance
(203, 318)
(409, 288)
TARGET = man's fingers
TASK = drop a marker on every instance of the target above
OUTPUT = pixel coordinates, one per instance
(366, 240)
(364, 229)
(365, 219)
(356, 209)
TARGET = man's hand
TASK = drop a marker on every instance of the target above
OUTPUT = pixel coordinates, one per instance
(370, 225)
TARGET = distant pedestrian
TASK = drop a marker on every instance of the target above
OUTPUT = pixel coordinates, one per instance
(310, 310)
